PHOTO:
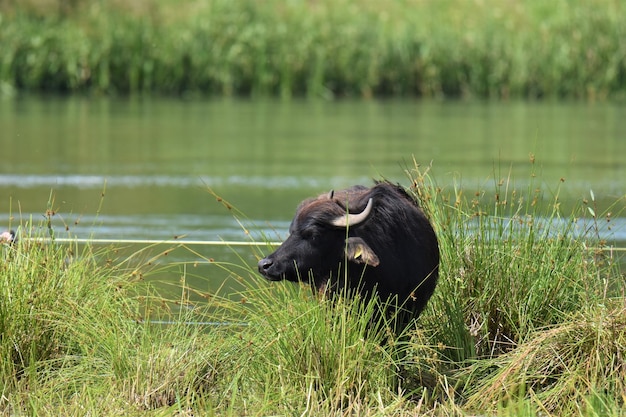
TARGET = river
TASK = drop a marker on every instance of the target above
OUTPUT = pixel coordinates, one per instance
(141, 168)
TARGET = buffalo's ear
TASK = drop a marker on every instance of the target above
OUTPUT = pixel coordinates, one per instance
(358, 251)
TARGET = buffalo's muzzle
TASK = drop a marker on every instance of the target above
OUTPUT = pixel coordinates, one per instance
(265, 266)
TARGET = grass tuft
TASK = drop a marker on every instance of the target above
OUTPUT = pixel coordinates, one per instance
(576, 366)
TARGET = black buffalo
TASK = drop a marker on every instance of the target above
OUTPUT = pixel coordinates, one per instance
(374, 240)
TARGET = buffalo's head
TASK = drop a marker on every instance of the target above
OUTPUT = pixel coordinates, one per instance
(321, 238)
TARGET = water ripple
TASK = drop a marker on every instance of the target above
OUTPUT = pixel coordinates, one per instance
(135, 181)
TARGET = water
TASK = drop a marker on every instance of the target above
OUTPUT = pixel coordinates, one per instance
(154, 159)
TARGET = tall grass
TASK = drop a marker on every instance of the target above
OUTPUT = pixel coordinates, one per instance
(74, 337)
(526, 307)
(322, 48)
(527, 320)
(515, 260)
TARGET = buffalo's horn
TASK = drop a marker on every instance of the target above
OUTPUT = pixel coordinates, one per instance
(353, 219)
(331, 193)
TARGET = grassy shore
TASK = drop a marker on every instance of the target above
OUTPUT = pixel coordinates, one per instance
(323, 48)
(527, 320)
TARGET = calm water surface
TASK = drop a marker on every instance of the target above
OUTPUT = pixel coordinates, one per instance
(155, 158)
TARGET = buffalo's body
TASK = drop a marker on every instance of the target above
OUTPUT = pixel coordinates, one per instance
(374, 240)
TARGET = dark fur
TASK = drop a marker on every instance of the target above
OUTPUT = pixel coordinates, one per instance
(394, 252)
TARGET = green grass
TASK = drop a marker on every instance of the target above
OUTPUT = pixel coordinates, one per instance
(526, 321)
(324, 48)
(528, 315)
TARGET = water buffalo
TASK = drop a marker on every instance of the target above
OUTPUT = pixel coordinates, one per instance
(374, 240)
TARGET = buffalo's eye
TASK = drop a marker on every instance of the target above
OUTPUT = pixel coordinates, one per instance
(308, 233)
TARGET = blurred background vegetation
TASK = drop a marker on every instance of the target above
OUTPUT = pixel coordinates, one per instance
(327, 48)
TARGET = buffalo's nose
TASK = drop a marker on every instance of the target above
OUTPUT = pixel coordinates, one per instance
(264, 265)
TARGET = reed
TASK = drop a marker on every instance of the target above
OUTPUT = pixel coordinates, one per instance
(527, 302)
(74, 335)
(575, 367)
(324, 48)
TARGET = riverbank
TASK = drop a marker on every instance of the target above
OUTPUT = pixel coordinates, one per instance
(483, 49)
(528, 319)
